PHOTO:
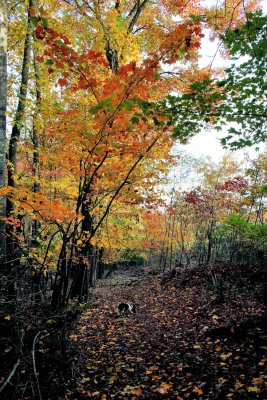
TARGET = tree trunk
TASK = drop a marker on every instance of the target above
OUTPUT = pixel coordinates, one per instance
(82, 272)
(15, 135)
(35, 141)
(3, 105)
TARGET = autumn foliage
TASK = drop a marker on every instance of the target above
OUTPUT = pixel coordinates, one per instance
(99, 97)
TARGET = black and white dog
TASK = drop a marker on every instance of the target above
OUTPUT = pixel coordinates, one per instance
(124, 308)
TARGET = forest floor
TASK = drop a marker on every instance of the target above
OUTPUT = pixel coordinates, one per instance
(184, 342)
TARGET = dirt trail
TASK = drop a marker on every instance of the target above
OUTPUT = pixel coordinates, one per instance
(163, 351)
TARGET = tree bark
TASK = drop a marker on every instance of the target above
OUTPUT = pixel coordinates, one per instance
(35, 141)
(3, 106)
(15, 135)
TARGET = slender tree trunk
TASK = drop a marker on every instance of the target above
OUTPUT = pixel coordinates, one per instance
(172, 240)
(15, 135)
(210, 240)
(35, 141)
(3, 105)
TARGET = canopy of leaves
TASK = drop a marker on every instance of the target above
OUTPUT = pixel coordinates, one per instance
(239, 99)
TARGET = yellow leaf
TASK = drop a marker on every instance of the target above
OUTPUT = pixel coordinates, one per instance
(127, 388)
(86, 379)
(7, 317)
(225, 356)
(95, 393)
(148, 372)
(197, 346)
(253, 389)
(238, 385)
(198, 390)
(229, 395)
(185, 389)
(113, 378)
(166, 385)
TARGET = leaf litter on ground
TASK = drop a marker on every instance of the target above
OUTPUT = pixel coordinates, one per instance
(167, 350)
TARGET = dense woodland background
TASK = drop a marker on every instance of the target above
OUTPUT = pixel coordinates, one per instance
(99, 203)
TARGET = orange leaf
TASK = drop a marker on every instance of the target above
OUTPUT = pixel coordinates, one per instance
(138, 392)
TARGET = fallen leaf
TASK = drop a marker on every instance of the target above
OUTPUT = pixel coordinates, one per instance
(198, 390)
(253, 389)
(163, 388)
(225, 356)
(160, 390)
(259, 382)
(238, 385)
(138, 392)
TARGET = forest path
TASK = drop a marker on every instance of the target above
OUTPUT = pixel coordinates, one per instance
(163, 351)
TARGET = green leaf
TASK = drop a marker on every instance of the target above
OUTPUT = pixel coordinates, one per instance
(135, 120)
(34, 21)
(45, 23)
(129, 105)
(49, 62)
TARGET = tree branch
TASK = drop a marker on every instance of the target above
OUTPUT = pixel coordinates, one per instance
(10, 375)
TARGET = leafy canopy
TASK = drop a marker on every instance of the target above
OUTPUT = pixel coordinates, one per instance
(239, 99)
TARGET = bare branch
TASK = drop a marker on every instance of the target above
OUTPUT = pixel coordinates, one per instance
(10, 375)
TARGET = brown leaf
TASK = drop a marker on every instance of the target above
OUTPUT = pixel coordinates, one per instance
(138, 392)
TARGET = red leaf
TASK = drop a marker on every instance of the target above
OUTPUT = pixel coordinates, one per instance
(62, 82)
